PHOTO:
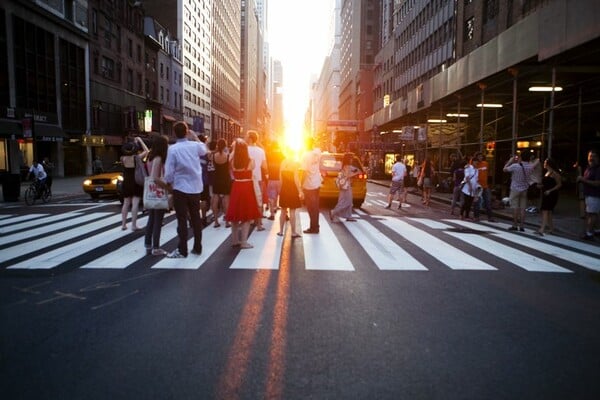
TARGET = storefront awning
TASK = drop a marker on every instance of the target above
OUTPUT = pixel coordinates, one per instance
(48, 133)
(8, 128)
(168, 118)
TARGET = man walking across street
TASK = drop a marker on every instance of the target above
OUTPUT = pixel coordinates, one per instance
(397, 185)
(591, 192)
(311, 183)
(183, 173)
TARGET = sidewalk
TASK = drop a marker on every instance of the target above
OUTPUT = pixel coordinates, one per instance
(566, 214)
(62, 188)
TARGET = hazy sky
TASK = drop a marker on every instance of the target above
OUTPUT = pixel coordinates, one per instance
(300, 37)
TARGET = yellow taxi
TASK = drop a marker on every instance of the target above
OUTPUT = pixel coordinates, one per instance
(104, 183)
(330, 165)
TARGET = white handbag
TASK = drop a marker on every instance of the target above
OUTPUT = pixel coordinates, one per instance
(155, 197)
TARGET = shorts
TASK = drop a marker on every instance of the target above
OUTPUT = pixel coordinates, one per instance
(518, 198)
(273, 189)
(592, 205)
(427, 183)
(396, 186)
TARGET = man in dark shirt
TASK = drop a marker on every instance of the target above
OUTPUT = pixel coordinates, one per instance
(591, 192)
(457, 170)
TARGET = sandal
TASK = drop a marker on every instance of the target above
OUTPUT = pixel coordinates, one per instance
(216, 225)
(246, 246)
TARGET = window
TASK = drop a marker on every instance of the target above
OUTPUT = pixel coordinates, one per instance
(130, 79)
(470, 28)
(107, 68)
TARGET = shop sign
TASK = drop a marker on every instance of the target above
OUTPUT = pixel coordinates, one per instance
(92, 140)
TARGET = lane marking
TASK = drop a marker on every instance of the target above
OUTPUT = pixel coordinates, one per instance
(323, 251)
(437, 248)
(385, 253)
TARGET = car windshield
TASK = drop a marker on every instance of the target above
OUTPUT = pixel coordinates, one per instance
(334, 163)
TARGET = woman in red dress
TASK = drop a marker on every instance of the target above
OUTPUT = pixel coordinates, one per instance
(242, 201)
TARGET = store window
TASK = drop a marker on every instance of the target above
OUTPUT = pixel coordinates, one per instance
(3, 155)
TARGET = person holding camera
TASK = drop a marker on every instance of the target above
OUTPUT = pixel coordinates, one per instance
(132, 192)
(520, 170)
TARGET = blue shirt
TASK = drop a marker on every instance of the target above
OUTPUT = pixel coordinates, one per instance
(183, 169)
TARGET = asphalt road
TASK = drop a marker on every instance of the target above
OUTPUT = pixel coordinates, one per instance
(435, 324)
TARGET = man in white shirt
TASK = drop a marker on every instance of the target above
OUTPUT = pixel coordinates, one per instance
(38, 172)
(310, 176)
(397, 185)
(260, 164)
(183, 173)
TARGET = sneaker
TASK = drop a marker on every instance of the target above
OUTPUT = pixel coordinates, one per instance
(588, 236)
(513, 228)
(521, 229)
(388, 206)
(176, 254)
(159, 252)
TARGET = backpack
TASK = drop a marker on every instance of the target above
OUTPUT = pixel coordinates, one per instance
(140, 170)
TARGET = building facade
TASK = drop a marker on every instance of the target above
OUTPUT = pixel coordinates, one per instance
(465, 74)
(43, 84)
(226, 64)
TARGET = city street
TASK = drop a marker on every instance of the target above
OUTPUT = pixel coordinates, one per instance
(408, 303)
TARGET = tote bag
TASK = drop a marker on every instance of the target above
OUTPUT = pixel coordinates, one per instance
(155, 197)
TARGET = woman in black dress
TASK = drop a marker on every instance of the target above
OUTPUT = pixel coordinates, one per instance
(290, 196)
(551, 183)
(132, 192)
(221, 181)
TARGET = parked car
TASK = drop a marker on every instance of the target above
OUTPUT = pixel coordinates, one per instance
(330, 166)
(104, 183)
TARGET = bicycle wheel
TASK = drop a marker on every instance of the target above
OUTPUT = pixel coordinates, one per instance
(30, 196)
(46, 194)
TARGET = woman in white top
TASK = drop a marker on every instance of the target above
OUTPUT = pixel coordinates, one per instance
(156, 160)
(470, 189)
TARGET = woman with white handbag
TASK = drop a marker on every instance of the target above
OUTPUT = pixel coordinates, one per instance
(155, 182)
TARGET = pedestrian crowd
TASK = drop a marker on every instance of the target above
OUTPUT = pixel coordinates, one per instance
(237, 182)
(242, 181)
(534, 186)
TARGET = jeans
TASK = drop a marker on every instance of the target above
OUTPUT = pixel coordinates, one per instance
(486, 201)
(456, 197)
(311, 201)
(185, 205)
(153, 228)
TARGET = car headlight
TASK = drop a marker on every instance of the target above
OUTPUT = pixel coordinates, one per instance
(116, 180)
(87, 182)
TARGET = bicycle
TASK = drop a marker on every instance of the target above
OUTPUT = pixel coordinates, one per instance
(37, 191)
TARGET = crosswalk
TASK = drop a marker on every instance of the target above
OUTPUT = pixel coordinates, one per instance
(92, 239)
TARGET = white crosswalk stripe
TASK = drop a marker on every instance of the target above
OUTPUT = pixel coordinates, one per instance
(389, 243)
(386, 254)
(323, 251)
(50, 239)
(9, 220)
(447, 254)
